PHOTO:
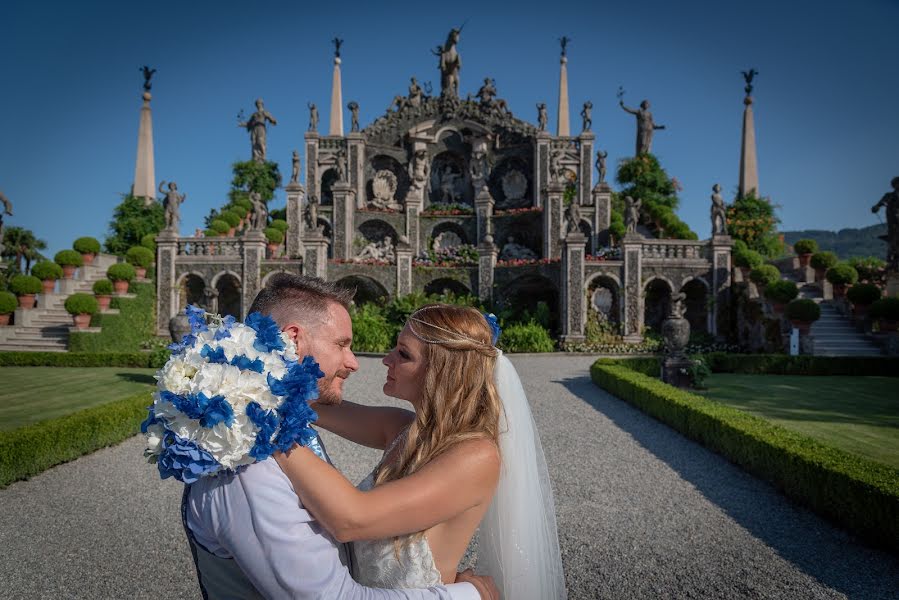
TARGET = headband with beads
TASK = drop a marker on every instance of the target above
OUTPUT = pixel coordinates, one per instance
(489, 317)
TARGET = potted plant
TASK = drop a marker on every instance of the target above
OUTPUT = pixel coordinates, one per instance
(780, 293)
(69, 260)
(25, 287)
(862, 296)
(841, 276)
(210, 233)
(232, 219)
(746, 259)
(821, 261)
(221, 226)
(886, 312)
(103, 291)
(763, 276)
(802, 312)
(140, 258)
(8, 305)
(279, 224)
(275, 237)
(82, 307)
(88, 247)
(121, 275)
(149, 241)
(48, 272)
(804, 249)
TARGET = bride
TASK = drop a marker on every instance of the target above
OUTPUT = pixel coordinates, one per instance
(468, 456)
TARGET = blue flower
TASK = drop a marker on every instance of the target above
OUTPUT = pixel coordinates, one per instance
(267, 422)
(186, 342)
(150, 420)
(210, 411)
(225, 330)
(184, 460)
(216, 355)
(494, 326)
(217, 410)
(197, 318)
(244, 363)
(268, 336)
(301, 381)
(299, 386)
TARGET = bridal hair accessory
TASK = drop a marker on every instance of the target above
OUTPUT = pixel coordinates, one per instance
(491, 322)
(230, 395)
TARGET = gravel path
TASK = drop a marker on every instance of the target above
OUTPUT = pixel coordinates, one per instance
(643, 513)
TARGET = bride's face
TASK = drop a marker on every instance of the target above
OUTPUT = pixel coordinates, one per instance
(405, 368)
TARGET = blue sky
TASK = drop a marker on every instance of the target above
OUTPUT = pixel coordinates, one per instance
(827, 122)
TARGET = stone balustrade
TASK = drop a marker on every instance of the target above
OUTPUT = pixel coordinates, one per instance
(675, 249)
(202, 246)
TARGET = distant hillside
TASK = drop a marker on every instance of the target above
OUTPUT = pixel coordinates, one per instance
(845, 242)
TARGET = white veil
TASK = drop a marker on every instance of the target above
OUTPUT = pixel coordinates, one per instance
(518, 543)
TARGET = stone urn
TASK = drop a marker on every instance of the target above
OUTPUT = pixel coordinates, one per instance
(27, 301)
(82, 321)
(676, 333)
(179, 326)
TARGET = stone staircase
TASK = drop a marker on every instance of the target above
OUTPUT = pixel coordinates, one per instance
(833, 334)
(45, 328)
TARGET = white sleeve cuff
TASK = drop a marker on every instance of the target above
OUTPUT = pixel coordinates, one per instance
(463, 591)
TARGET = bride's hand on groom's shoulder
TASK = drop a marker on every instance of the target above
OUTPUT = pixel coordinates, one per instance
(483, 583)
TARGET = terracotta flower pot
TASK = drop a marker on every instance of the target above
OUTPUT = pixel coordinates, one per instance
(804, 260)
(778, 307)
(88, 258)
(27, 301)
(273, 250)
(68, 271)
(4, 320)
(49, 285)
(82, 321)
(819, 274)
(103, 302)
(231, 231)
(141, 272)
(802, 326)
(860, 310)
(888, 325)
(839, 291)
(121, 287)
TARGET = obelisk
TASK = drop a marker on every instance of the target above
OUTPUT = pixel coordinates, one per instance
(749, 169)
(144, 172)
(563, 128)
(336, 125)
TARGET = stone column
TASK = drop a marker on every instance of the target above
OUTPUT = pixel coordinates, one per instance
(144, 169)
(632, 288)
(253, 251)
(541, 162)
(356, 166)
(487, 252)
(552, 220)
(573, 302)
(315, 256)
(313, 175)
(749, 169)
(403, 269)
(484, 210)
(562, 124)
(413, 210)
(335, 126)
(602, 215)
(585, 177)
(343, 227)
(166, 294)
(296, 194)
(720, 247)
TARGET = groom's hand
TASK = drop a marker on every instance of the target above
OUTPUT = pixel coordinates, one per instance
(483, 583)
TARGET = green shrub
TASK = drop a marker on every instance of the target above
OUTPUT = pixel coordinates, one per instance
(764, 275)
(68, 258)
(139, 256)
(748, 259)
(121, 272)
(8, 303)
(371, 331)
(102, 287)
(805, 247)
(220, 226)
(143, 360)
(804, 310)
(823, 260)
(781, 291)
(860, 494)
(868, 268)
(211, 233)
(274, 236)
(279, 224)
(783, 364)
(526, 337)
(133, 329)
(149, 242)
(239, 209)
(21, 285)
(47, 270)
(841, 274)
(230, 217)
(81, 304)
(863, 293)
(885, 308)
(86, 245)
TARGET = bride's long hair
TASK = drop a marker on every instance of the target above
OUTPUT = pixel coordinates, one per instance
(459, 400)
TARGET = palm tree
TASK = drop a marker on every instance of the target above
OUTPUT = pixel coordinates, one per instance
(19, 243)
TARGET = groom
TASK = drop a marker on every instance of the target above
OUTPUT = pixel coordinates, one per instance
(248, 533)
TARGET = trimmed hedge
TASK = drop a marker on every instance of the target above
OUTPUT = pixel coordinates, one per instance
(68, 258)
(29, 450)
(279, 224)
(47, 269)
(220, 226)
(274, 235)
(149, 241)
(764, 275)
(230, 217)
(81, 304)
(21, 285)
(86, 245)
(526, 337)
(128, 331)
(885, 308)
(121, 272)
(371, 330)
(142, 360)
(859, 494)
(783, 364)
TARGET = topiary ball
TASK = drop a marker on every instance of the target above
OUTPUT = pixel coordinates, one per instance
(230, 217)
(805, 247)
(748, 259)
(21, 285)
(823, 260)
(274, 236)
(8, 303)
(46, 269)
(139, 257)
(86, 245)
(781, 291)
(885, 308)
(149, 241)
(82, 304)
(68, 258)
(211, 233)
(863, 293)
(279, 224)
(803, 310)
(841, 274)
(764, 275)
(102, 287)
(220, 226)
(121, 272)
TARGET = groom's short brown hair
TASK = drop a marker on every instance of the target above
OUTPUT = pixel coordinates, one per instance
(289, 297)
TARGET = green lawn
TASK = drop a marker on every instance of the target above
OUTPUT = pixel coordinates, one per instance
(30, 394)
(856, 414)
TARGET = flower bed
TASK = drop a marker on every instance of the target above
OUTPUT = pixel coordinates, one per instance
(517, 211)
(365, 261)
(604, 254)
(521, 262)
(447, 210)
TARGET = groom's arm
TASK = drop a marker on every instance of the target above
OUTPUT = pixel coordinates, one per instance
(286, 554)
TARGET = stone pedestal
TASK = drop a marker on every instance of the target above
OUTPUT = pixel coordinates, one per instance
(573, 308)
(585, 177)
(414, 205)
(343, 227)
(602, 215)
(166, 294)
(315, 255)
(313, 176)
(541, 161)
(253, 254)
(403, 269)
(296, 195)
(632, 287)
(721, 282)
(484, 210)
(355, 166)
(487, 253)
(552, 220)
(675, 371)
(892, 285)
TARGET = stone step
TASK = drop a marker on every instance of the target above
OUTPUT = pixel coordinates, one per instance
(38, 344)
(13, 347)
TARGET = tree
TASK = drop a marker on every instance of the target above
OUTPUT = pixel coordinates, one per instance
(20, 243)
(131, 221)
(252, 176)
(754, 221)
(644, 178)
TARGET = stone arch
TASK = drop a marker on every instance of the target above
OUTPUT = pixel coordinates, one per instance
(526, 292)
(495, 183)
(382, 162)
(450, 226)
(604, 297)
(446, 284)
(375, 230)
(190, 288)
(656, 302)
(367, 289)
(329, 178)
(229, 298)
(697, 303)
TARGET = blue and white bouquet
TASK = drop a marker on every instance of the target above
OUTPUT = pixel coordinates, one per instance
(230, 395)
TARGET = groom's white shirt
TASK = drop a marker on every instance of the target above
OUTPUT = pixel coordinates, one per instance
(255, 518)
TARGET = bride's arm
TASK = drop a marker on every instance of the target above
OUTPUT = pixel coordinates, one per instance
(372, 426)
(461, 478)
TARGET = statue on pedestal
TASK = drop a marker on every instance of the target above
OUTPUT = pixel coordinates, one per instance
(573, 217)
(631, 214)
(448, 185)
(719, 212)
(354, 115)
(259, 214)
(890, 202)
(256, 126)
(211, 299)
(340, 165)
(295, 168)
(380, 251)
(450, 64)
(311, 213)
(601, 165)
(420, 170)
(171, 205)
(313, 116)
(645, 126)
(541, 116)
(478, 169)
(555, 166)
(415, 93)
(586, 113)
(148, 74)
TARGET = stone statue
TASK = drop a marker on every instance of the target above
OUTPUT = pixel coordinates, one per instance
(448, 185)
(354, 115)
(450, 64)
(420, 170)
(259, 214)
(415, 93)
(337, 43)
(148, 74)
(313, 116)
(211, 299)
(256, 127)
(171, 205)
(631, 214)
(555, 166)
(564, 41)
(601, 165)
(719, 212)
(7, 210)
(340, 164)
(890, 202)
(380, 251)
(311, 213)
(383, 187)
(573, 217)
(541, 116)
(645, 126)
(295, 168)
(586, 115)
(487, 92)
(478, 169)
(515, 251)
(678, 305)
(748, 76)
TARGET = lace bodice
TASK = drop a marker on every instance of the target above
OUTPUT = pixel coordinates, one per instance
(376, 563)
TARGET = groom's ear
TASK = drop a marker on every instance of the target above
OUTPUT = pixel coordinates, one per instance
(298, 334)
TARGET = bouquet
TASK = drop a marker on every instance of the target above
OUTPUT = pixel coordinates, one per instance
(230, 395)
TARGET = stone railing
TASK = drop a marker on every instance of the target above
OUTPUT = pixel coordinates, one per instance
(210, 247)
(675, 250)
